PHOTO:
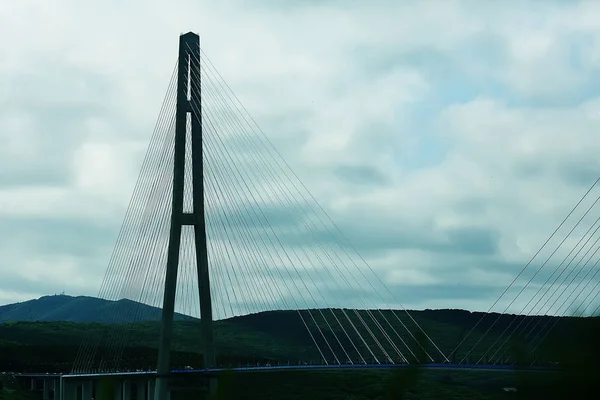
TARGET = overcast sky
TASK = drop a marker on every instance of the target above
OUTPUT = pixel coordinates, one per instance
(447, 139)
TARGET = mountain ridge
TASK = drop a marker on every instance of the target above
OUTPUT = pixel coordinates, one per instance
(65, 308)
(88, 309)
(46, 333)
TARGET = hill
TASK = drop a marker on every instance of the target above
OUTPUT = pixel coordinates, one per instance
(81, 309)
(52, 345)
(86, 309)
(60, 324)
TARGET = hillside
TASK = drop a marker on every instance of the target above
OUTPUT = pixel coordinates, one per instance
(60, 324)
(80, 309)
(86, 309)
(52, 345)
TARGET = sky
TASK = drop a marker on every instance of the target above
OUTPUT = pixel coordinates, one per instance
(447, 139)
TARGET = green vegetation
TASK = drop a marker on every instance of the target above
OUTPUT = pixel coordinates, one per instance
(279, 337)
(276, 337)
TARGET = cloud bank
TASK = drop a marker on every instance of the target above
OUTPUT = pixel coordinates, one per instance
(447, 140)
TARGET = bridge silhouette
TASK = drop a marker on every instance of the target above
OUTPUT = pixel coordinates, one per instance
(220, 226)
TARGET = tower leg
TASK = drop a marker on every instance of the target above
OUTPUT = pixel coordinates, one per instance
(188, 102)
(198, 204)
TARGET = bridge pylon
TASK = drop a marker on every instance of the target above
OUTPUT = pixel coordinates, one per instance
(188, 126)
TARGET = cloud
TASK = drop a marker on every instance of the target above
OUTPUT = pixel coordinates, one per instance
(446, 142)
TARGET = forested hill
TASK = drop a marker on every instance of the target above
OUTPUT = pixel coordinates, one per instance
(80, 309)
(91, 309)
(45, 334)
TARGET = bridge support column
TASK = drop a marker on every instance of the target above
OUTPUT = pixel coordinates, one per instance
(87, 390)
(126, 390)
(69, 389)
(56, 388)
(141, 390)
(213, 385)
(47, 384)
(150, 389)
(119, 391)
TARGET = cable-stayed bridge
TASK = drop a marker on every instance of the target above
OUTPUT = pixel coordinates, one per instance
(219, 226)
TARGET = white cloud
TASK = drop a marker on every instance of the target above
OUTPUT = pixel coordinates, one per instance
(494, 105)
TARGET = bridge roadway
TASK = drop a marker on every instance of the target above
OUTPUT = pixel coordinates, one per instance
(67, 386)
(280, 368)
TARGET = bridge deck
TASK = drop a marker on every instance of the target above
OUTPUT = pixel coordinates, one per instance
(280, 368)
